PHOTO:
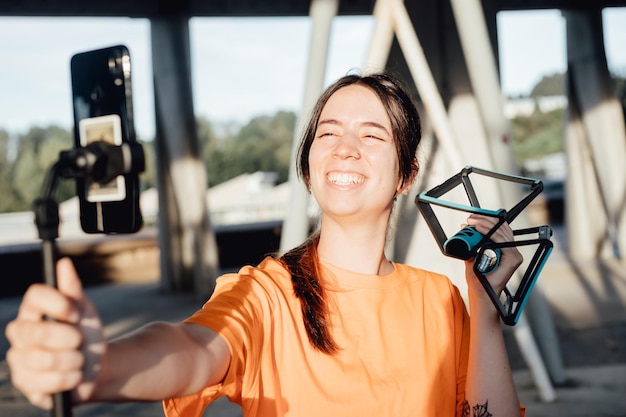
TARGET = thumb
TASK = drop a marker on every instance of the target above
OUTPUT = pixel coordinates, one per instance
(68, 281)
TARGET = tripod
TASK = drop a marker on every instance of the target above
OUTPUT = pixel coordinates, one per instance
(468, 243)
(98, 162)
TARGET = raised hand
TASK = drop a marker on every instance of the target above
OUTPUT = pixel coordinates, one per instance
(510, 260)
(60, 353)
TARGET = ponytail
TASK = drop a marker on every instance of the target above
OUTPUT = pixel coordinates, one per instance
(303, 266)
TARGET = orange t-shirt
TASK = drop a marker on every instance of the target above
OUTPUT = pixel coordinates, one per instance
(403, 341)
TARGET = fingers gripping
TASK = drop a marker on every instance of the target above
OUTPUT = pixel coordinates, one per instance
(50, 356)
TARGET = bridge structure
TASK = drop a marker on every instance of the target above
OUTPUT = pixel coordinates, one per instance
(447, 52)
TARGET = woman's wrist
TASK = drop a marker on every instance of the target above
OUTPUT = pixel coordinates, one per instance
(482, 307)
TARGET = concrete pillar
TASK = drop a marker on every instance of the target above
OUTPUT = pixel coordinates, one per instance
(585, 232)
(296, 223)
(605, 137)
(188, 249)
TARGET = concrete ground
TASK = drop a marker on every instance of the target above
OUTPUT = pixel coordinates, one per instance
(587, 303)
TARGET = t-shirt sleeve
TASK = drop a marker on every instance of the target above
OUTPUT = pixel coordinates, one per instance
(235, 311)
(461, 340)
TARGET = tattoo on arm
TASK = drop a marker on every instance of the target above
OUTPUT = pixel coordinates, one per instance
(479, 410)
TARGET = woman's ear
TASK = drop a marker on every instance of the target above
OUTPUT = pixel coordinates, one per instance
(405, 186)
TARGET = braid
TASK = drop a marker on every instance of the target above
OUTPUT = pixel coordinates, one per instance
(302, 264)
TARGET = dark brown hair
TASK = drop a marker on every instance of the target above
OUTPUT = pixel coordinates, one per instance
(302, 261)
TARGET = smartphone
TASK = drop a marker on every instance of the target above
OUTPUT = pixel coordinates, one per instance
(102, 103)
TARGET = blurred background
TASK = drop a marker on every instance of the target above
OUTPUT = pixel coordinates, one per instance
(248, 75)
(558, 97)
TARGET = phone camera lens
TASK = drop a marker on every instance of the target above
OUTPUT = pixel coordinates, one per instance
(115, 65)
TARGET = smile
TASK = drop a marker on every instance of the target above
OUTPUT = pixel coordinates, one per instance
(342, 178)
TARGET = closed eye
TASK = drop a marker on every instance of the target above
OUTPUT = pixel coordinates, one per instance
(326, 134)
(328, 128)
(373, 130)
(376, 136)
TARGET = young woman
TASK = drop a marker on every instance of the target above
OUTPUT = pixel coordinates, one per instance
(333, 327)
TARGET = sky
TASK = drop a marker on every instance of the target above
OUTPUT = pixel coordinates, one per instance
(243, 67)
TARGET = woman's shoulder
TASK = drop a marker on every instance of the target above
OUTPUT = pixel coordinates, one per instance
(269, 275)
(425, 277)
(414, 271)
(269, 268)
(435, 285)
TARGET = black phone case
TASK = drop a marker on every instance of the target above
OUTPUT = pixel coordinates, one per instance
(101, 85)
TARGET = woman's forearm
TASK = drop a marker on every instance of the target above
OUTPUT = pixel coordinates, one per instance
(158, 361)
(490, 389)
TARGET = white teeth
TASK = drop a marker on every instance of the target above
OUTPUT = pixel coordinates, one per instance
(344, 178)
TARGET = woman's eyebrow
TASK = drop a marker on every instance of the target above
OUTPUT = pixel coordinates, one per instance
(378, 126)
(369, 124)
(328, 121)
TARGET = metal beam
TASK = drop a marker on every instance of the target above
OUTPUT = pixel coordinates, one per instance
(557, 4)
(189, 8)
(424, 80)
(234, 8)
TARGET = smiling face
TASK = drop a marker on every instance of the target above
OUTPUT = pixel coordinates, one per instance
(353, 161)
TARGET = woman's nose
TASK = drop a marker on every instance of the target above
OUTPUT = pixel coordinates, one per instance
(347, 147)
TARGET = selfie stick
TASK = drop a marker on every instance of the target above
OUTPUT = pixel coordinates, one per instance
(99, 162)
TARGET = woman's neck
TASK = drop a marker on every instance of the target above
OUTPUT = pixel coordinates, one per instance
(356, 248)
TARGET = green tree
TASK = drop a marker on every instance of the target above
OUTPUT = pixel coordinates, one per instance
(264, 144)
(212, 150)
(4, 148)
(7, 202)
(147, 178)
(538, 134)
(38, 150)
(549, 85)
(542, 133)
